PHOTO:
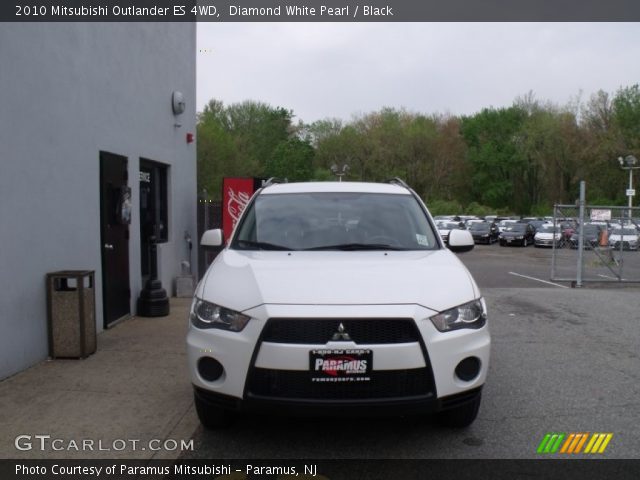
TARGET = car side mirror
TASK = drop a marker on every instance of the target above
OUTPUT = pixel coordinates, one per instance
(460, 241)
(212, 238)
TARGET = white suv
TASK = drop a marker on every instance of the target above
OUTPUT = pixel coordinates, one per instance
(338, 297)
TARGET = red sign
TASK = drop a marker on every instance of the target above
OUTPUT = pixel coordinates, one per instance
(236, 193)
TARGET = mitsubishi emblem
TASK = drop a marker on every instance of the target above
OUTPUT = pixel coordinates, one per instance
(341, 335)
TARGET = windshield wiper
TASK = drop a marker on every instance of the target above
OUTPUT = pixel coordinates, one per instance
(261, 245)
(357, 246)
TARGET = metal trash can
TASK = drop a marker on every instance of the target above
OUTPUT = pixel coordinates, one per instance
(71, 313)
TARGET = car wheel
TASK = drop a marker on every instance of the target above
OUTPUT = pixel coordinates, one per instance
(462, 416)
(213, 417)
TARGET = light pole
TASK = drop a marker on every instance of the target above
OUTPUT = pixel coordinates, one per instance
(629, 163)
(339, 173)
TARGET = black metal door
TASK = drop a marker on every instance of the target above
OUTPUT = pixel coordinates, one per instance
(115, 207)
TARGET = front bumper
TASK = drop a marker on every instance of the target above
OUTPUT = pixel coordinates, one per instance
(375, 408)
(429, 361)
(545, 242)
(633, 246)
(482, 239)
(511, 241)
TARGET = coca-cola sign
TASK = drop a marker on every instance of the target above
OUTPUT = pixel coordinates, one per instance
(236, 193)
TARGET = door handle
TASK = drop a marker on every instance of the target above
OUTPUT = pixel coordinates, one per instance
(108, 246)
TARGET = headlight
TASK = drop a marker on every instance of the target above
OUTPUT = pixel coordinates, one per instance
(209, 315)
(468, 315)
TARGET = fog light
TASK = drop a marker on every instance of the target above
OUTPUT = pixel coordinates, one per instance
(210, 369)
(468, 369)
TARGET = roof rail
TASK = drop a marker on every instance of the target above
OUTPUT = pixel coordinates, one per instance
(273, 181)
(399, 181)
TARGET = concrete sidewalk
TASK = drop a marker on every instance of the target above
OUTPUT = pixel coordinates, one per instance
(134, 390)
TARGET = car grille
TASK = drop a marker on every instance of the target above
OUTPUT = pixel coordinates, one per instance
(361, 331)
(294, 385)
(383, 384)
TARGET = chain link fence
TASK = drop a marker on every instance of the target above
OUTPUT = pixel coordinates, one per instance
(209, 217)
(596, 244)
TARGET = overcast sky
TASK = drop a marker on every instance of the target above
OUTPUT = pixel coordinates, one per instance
(322, 70)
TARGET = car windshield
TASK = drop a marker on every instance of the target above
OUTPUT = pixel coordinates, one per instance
(516, 227)
(335, 221)
(481, 227)
(548, 229)
(591, 229)
(449, 226)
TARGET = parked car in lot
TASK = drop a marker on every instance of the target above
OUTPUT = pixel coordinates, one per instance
(517, 234)
(537, 224)
(627, 238)
(444, 227)
(548, 236)
(337, 298)
(568, 229)
(591, 236)
(484, 232)
(502, 224)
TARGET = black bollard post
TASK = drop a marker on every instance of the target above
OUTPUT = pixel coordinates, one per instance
(153, 300)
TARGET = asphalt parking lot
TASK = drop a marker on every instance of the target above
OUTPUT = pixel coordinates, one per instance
(494, 266)
(563, 360)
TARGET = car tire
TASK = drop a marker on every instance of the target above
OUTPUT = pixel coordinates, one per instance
(462, 416)
(213, 417)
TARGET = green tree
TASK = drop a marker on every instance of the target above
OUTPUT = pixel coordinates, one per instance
(291, 159)
(493, 139)
(238, 140)
(626, 108)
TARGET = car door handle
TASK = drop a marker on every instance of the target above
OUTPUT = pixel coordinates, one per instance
(108, 246)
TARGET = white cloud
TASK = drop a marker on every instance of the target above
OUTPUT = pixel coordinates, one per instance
(324, 70)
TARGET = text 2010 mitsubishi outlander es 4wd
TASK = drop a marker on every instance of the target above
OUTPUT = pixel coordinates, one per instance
(338, 297)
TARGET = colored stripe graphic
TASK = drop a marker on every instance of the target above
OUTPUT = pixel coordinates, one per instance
(573, 443)
(598, 443)
(551, 442)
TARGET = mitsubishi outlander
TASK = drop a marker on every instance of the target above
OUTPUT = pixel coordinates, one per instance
(337, 298)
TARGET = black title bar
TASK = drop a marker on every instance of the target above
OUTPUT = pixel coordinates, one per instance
(323, 469)
(320, 11)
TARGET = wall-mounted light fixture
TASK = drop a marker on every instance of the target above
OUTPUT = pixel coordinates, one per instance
(177, 105)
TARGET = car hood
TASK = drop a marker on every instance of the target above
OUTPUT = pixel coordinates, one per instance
(547, 236)
(245, 279)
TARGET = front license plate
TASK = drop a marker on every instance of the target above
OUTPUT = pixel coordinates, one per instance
(509, 240)
(341, 365)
